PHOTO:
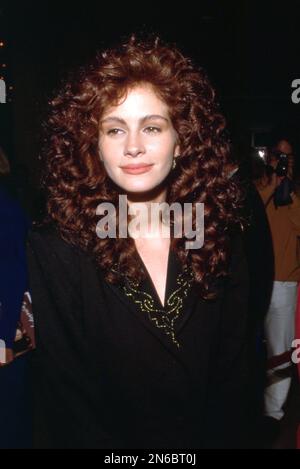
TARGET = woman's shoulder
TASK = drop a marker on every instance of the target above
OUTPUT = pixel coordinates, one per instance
(46, 245)
(48, 236)
(236, 244)
(238, 264)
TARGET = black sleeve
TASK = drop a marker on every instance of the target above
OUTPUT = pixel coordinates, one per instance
(64, 386)
(226, 426)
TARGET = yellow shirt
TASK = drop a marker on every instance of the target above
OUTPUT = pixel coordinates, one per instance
(285, 228)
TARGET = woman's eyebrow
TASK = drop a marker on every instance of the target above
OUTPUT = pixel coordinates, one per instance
(119, 120)
(153, 116)
(112, 119)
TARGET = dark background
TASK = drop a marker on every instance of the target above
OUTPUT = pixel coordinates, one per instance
(249, 48)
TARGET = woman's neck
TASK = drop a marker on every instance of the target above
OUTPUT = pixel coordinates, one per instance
(146, 216)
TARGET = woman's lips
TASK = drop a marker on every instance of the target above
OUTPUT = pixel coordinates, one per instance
(137, 169)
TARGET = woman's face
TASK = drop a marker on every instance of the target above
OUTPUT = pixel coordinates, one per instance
(137, 141)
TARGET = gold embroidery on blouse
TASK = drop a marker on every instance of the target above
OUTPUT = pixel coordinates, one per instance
(163, 318)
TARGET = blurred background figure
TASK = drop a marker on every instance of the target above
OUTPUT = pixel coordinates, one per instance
(16, 326)
(278, 192)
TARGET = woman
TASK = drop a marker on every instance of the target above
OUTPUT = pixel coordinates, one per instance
(139, 340)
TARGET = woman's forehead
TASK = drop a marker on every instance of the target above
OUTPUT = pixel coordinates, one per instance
(142, 99)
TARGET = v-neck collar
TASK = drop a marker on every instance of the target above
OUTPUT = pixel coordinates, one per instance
(148, 285)
(143, 300)
(169, 319)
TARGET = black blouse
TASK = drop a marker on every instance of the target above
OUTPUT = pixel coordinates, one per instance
(113, 368)
(167, 317)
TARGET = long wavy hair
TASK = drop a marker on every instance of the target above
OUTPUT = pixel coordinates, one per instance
(76, 181)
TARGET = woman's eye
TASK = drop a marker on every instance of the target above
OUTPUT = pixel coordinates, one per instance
(114, 131)
(152, 130)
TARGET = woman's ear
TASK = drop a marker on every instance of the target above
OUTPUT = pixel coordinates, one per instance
(177, 151)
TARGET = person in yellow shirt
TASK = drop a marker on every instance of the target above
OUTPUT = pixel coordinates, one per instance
(282, 205)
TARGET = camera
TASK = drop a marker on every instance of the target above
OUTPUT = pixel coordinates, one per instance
(282, 165)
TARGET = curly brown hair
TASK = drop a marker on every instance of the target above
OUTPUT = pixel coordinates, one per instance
(76, 181)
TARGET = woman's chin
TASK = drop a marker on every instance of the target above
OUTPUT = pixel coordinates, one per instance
(142, 188)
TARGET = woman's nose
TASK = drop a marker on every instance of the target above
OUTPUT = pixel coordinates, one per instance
(134, 145)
